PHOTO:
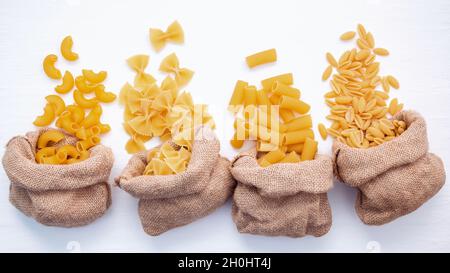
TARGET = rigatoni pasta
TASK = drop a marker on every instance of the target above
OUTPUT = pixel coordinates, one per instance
(260, 58)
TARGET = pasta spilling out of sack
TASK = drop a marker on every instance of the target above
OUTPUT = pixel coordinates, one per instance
(80, 119)
(159, 38)
(276, 118)
(359, 110)
(161, 110)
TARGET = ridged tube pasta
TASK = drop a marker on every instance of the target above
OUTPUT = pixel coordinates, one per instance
(309, 149)
(84, 145)
(83, 85)
(103, 96)
(250, 95)
(303, 122)
(294, 105)
(238, 94)
(281, 89)
(262, 98)
(46, 118)
(67, 84)
(271, 158)
(297, 136)
(49, 67)
(292, 157)
(83, 102)
(286, 79)
(49, 136)
(93, 77)
(69, 150)
(263, 57)
(57, 102)
(93, 118)
(297, 147)
(66, 49)
(43, 153)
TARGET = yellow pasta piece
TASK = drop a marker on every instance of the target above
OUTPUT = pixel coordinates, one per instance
(271, 158)
(93, 77)
(309, 149)
(331, 60)
(238, 94)
(322, 131)
(299, 123)
(348, 35)
(327, 73)
(263, 57)
(83, 156)
(103, 96)
(294, 105)
(48, 137)
(49, 67)
(286, 115)
(138, 63)
(52, 160)
(381, 51)
(66, 49)
(93, 118)
(297, 136)
(41, 154)
(297, 147)
(174, 34)
(262, 98)
(76, 113)
(250, 95)
(170, 64)
(84, 145)
(393, 82)
(69, 150)
(67, 83)
(292, 157)
(82, 85)
(235, 142)
(286, 79)
(47, 118)
(57, 102)
(83, 102)
(284, 90)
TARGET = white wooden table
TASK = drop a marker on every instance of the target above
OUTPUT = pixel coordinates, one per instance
(218, 37)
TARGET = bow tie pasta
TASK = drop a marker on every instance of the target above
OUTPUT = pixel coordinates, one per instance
(72, 119)
(159, 38)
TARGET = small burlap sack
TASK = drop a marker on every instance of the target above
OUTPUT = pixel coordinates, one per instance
(170, 201)
(58, 195)
(395, 178)
(287, 199)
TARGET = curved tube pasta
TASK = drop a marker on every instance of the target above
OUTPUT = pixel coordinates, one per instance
(69, 151)
(260, 58)
(43, 153)
(76, 113)
(47, 118)
(174, 33)
(49, 67)
(67, 124)
(57, 102)
(84, 145)
(52, 160)
(67, 83)
(82, 85)
(83, 102)
(61, 156)
(83, 156)
(66, 49)
(309, 149)
(104, 128)
(93, 77)
(103, 96)
(93, 118)
(49, 136)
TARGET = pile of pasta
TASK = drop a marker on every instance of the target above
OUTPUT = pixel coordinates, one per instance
(73, 118)
(161, 110)
(274, 116)
(359, 111)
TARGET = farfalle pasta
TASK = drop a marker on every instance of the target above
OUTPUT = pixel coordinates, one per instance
(170, 64)
(159, 38)
(89, 92)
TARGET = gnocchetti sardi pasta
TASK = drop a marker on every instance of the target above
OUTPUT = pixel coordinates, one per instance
(161, 109)
(358, 108)
(275, 117)
(88, 93)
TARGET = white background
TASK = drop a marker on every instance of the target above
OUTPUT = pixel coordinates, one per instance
(219, 34)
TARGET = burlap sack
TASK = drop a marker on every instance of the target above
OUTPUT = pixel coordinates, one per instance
(283, 199)
(58, 195)
(169, 201)
(395, 178)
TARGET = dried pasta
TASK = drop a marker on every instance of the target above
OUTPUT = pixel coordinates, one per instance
(48, 137)
(170, 64)
(358, 110)
(93, 77)
(159, 38)
(49, 67)
(263, 57)
(66, 49)
(67, 83)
